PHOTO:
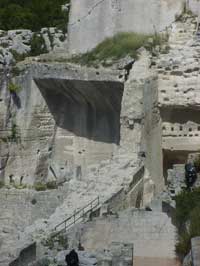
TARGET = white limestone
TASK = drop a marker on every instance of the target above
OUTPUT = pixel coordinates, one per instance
(93, 21)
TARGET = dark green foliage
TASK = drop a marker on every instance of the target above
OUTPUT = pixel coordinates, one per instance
(32, 14)
(197, 163)
(38, 45)
(14, 132)
(184, 243)
(187, 219)
(186, 201)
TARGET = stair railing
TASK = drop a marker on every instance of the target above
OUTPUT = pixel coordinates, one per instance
(76, 216)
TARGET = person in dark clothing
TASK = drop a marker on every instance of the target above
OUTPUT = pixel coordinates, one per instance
(72, 258)
(190, 175)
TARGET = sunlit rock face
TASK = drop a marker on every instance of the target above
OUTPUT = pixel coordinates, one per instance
(94, 20)
(64, 124)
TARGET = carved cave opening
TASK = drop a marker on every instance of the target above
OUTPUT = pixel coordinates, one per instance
(89, 109)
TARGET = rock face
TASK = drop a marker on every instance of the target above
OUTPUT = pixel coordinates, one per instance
(65, 122)
(90, 129)
(195, 252)
(106, 165)
(93, 21)
(16, 44)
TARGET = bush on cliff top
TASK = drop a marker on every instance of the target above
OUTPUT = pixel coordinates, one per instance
(32, 14)
(119, 46)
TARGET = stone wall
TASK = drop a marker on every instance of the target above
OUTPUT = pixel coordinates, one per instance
(93, 21)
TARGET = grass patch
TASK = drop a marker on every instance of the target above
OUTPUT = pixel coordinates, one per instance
(187, 217)
(52, 185)
(18, 186)
(13, 135)
(40, 186)
(14, 88)
(119, 46)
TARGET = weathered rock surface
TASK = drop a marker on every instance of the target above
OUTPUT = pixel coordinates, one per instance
(105, 178)
(15, 44)
(90, 130)
(93, 21)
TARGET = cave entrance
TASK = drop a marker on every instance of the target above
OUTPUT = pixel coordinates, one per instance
(87, 119)
(173, 157)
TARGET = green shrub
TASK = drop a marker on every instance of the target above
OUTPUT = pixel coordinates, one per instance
(14, 88)
(197, 163)
(184, 243)
(119, 46)
(51, 185)
(186, 201)
(38, 45)
(40, 186)
(187, 216)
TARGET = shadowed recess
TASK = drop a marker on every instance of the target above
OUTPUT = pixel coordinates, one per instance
(89, 109)
(181, 116)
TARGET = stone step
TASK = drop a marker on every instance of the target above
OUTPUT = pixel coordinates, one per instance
(151, 232)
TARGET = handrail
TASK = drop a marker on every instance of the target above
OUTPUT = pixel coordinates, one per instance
(75, 217)
(138, 175)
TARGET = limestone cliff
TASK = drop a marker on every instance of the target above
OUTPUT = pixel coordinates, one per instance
(109, 132)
